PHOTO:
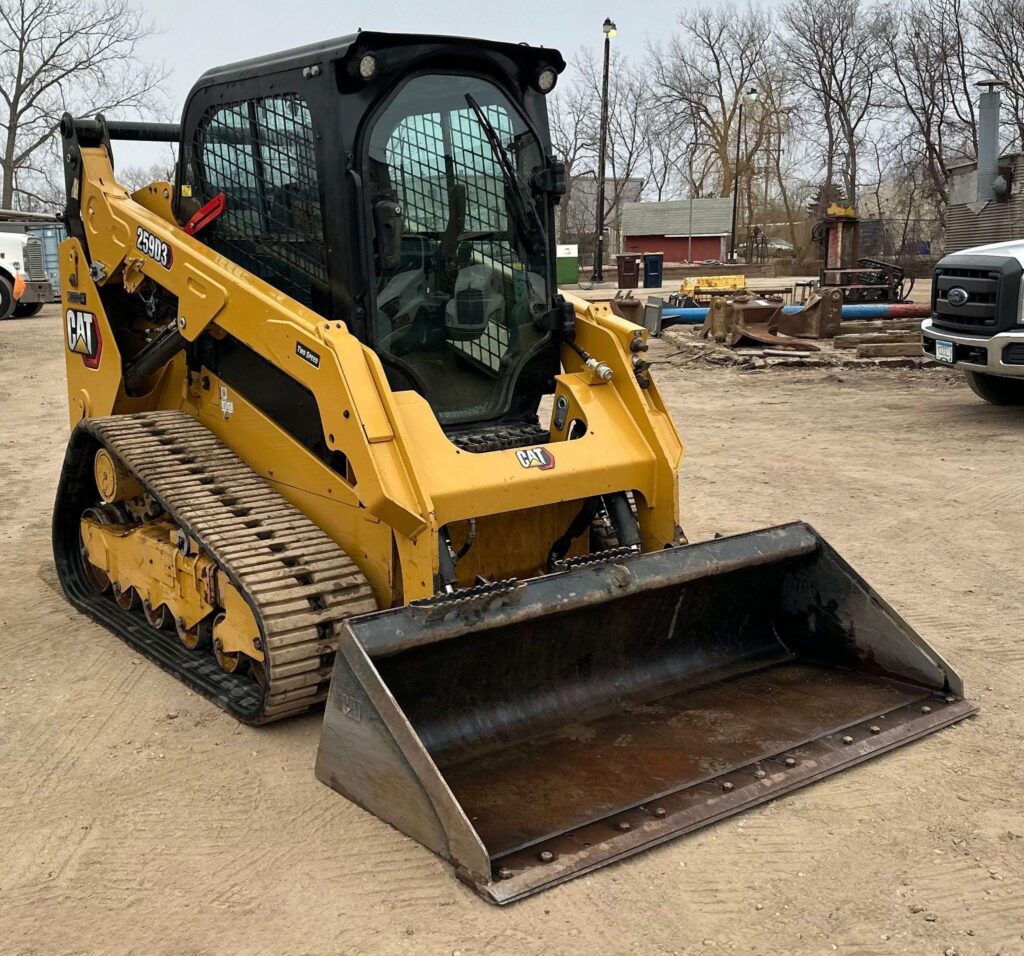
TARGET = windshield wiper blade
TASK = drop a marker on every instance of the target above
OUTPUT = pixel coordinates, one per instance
(523, 212)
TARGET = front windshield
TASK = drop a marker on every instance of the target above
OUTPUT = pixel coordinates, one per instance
(460, 254)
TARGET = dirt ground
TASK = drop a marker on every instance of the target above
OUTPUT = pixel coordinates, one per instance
(137, 818)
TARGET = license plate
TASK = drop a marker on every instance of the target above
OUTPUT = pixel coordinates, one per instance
(944, 351)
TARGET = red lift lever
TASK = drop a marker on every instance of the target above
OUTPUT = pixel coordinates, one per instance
(206, 214)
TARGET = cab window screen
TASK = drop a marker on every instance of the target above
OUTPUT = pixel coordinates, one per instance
(260, 154)
(450, 161)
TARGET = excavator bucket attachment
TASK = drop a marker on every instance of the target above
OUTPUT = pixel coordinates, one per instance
(531, 732)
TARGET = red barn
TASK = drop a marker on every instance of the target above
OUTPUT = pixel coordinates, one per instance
(685, 230)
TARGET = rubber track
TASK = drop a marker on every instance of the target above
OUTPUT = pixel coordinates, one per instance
(298, 582)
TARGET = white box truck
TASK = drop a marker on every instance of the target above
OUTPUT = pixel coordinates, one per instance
(24, 286)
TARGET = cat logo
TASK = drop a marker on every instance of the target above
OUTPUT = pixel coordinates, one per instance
(536, 458)
(84, 336)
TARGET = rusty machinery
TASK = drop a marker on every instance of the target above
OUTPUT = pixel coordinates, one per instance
(859, 279)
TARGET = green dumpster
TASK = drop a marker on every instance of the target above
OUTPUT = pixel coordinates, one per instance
(567, 265)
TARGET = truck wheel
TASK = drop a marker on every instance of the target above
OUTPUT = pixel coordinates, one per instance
(7, 303)
(995, 389)
(25, 310)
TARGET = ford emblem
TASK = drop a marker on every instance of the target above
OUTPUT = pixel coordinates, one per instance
(956, 296)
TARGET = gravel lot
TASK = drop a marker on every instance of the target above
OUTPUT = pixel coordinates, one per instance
(137, 818)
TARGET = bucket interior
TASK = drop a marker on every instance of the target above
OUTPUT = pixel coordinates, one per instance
(561, 719)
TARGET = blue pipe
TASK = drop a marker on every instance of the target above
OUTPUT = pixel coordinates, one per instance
(680, 316)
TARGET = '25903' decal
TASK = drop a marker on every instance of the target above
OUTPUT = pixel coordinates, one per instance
(156, 249)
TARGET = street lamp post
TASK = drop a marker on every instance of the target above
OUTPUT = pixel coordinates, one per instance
(689, 235)
(609, 31)
(750, 96)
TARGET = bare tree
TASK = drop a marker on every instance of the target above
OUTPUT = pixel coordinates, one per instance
(785, 152)
(835, 49)
(926, 44)
(572, 118)
(630, 118)
(848, 89)
(701, 175)
(57, 55)
(665, 159)
(703, 73)
(1000, 52)
(135, 177)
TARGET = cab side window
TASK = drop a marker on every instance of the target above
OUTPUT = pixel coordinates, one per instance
(260, 154)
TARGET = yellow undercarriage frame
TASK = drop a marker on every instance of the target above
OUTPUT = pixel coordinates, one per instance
(162, 566)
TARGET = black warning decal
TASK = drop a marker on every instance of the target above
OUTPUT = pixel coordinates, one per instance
(308, 354)
(83, 333)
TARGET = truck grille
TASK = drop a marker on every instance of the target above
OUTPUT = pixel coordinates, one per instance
(979, 314)
(34, 259)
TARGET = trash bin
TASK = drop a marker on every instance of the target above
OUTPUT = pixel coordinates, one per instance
(628, 265)
(654, 269)
(567, 265)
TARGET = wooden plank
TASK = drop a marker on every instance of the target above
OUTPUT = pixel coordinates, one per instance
(875, 338)
(860, 327)
(899, 349)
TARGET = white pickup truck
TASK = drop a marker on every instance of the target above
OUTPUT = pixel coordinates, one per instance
(977, 320)
(24, 287)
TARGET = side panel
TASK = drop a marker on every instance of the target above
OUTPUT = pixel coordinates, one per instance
(93, 358)
(304, 480)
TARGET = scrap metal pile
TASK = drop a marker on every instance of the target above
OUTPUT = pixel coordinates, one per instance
(757, 332)
(747, 319)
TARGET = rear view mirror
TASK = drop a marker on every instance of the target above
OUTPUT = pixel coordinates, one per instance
(387, 224)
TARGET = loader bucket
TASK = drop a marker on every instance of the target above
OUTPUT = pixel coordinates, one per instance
(531, 732)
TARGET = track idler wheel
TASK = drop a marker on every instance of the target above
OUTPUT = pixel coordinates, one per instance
(158, 617)
(125, 597)
(96, 576)
(194, 638)
(231, 662)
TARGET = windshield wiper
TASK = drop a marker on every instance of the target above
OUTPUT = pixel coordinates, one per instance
(523, 211)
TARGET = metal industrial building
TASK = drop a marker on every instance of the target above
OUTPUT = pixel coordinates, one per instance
(986, 198)
(974, 222)
(686, 230)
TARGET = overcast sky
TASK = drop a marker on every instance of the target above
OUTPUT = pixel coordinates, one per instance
(195, 35)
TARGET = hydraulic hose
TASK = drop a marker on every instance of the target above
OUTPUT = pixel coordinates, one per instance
(154, 355)
(627, 530)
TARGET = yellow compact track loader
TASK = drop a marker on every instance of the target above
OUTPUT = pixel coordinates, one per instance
(337, 437)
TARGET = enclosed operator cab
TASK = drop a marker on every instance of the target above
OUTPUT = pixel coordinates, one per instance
(416, 207)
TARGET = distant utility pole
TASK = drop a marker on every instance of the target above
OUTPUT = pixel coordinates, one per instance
(609, 31)
(751, 97)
